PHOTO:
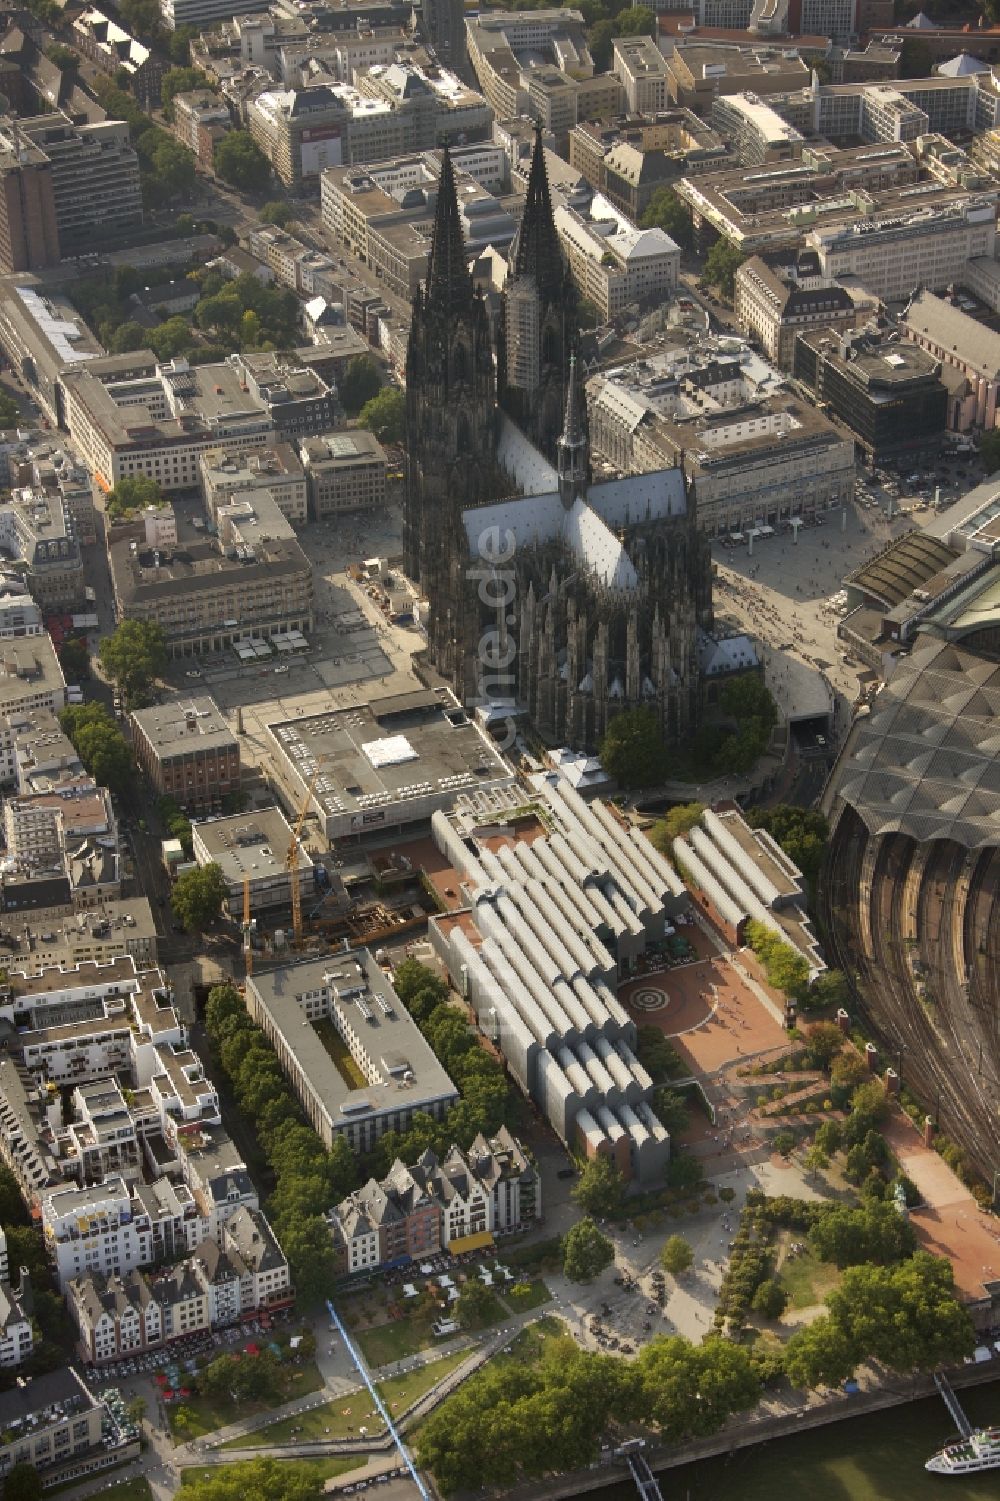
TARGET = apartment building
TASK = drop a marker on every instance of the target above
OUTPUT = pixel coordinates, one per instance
(29, 230)
(507, 49)
(453, 1203)
(402, 1074)
(927, 247)
(890, 395)
(614, 264)
(95, 176)
(756, 133)
(188, 752)
(307, 271)
(345, 472)
(781, 293)
(201, 121)
(117, 52)
(757, 453)
(277, 469)
(241, 1275)
(16, 1306)
(52, 1423)
(37, 530)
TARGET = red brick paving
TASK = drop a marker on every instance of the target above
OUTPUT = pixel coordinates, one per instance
(706, 1039)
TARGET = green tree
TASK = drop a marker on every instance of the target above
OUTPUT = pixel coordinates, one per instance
(872, 1232)
(600, 1189)
(668, 212)
(600, 40)
(658, 1055)
(586, 1252)
(828, 1137)
(385, 415)
(915, 59)
(689, 1391)
(101, 746)
(133, 493)
(770, 1300)
(676, 1255)
(74, 659)
(815, 1160)
(633, 750)
(672, 1110)
(173, 166)
(134, 656)
(65, 59)
(307, 1244)
(223, 1004)
(820, 1354)
(677, 821)
(829, 990)
(989, 449)
(244, 1378)
(136, 1410)
(848, 1073)
(360, 384)
(801, 832)
(278, 212)
(239, 161)
(23, 1483)
(171, 339)
(12, 1210)
(179, 45)
(198, 896)
(824, 1043)
(255, 1480)
(181, 81)
(907, 1317)
(638, 20)
(721, 265)
(475, 1306)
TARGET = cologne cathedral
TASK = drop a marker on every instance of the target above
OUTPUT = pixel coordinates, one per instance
(568, 599)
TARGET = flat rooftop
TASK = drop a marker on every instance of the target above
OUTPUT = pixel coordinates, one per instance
(404, 747)
(184, 725)
(253, 845)
(400, 1067)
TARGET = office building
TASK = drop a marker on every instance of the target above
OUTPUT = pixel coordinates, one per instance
(123, 56)
(29, 230)
(345, 472)
(202, 14)
(890, 395)
(781, 293)
(36, 530)
(756, 133)
(277, 469)
(629, 163)
(297, 399)
(927, 247)
(311, 1011)
(157, 420)
(699, 72)
(42, 334)
(513, 52)
(614, 264)
(188, 752)
(757, 453)
(30, 676)
(640, 67)
(384, 765)
(95, 177)
(251, 850)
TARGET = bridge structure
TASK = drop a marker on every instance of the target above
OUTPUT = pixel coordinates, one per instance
(380, 1406)
(645, 1481)
(953, 1405)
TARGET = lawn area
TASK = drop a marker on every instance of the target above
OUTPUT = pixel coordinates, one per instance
(546, 1254)
(343, 1417)
(340, 1053)
(136, 1489)
(206, 1414)
(324, 1467)
(534, 1294)
(807, 1279)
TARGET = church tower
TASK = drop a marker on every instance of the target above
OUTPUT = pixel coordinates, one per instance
(539, 322)
(451, 426)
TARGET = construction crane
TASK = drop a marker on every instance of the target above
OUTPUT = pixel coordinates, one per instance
(248, 928)
(292, 860)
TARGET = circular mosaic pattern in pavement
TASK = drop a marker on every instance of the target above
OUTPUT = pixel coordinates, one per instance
(649, 998)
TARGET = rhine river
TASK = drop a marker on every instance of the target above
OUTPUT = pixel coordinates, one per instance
(875, 1458)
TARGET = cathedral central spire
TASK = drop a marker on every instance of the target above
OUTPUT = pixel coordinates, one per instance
(572, 447)
(449, 282)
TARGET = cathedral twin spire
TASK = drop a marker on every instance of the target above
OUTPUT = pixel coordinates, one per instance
(537, 252)
(449, 281)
